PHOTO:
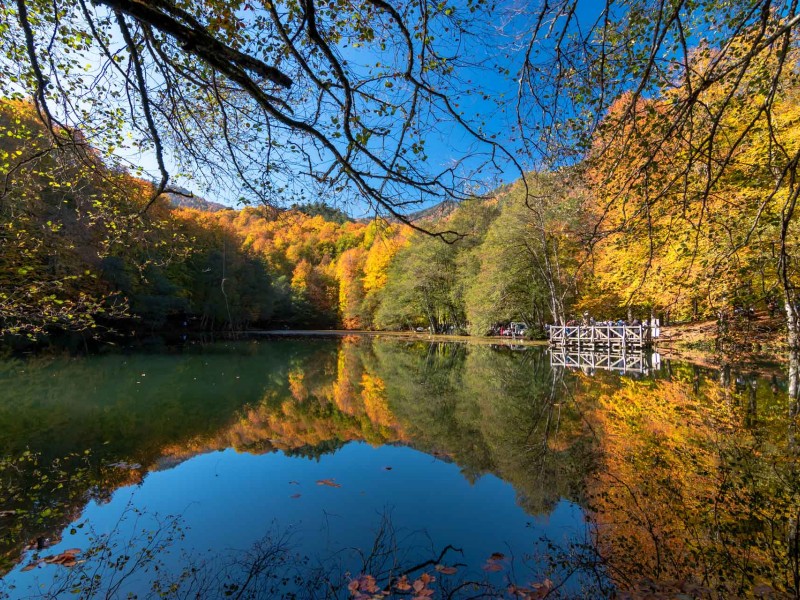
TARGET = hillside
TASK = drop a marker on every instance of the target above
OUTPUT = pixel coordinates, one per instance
(192, 201)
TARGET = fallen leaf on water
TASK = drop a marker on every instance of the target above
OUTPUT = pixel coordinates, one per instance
(492, 567)
(294, 483)
(402, 584)
(497, 556)
(387, 468)
(295, 496)
(328, 482)
(446, 570)
(31, 566)
(65, 559)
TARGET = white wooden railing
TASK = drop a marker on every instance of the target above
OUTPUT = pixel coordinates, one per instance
(603, 335)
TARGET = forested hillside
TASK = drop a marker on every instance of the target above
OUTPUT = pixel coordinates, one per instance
(648, 236)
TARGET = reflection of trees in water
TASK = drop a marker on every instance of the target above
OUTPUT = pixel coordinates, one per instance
(492, 411)
(691, 479)
(697, 489)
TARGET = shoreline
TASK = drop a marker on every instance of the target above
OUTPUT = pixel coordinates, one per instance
(672, 346)
(408, 335)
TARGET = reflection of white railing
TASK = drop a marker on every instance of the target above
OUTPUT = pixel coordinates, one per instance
(604, 335)
(625, 362)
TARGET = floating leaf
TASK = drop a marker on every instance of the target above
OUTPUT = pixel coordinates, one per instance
(65, 559)
(328, 482)
(295, 496)
(402, 584)
(446, 570)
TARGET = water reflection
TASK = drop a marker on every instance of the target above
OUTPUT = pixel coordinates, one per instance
(687, 476)
(620, 360)
(696, 489)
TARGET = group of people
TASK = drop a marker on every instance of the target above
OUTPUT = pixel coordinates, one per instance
(587, 321)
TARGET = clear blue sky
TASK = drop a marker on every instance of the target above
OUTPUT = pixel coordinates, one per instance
(486, 96)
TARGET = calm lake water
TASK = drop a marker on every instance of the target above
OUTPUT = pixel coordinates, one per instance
(297, 467)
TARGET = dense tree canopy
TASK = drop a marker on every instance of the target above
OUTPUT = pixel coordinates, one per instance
(679, 106)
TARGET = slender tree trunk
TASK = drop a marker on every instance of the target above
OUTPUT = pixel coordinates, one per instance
(792, 322)
(794, 396)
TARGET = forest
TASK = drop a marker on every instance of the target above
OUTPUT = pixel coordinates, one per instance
(675, 199)
(81, 255)
(171, 171)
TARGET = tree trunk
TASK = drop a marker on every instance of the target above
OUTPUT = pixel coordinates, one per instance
(792, 322)
(794, 377)
(794, 397)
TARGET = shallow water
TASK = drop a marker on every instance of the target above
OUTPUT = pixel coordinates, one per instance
(309, 462)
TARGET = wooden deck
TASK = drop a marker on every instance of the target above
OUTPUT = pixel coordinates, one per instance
(613, 336)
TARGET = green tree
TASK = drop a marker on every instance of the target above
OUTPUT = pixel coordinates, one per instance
(427, 279)
(529, 260)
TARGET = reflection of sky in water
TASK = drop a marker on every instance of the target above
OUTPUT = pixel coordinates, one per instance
(230, 500)
(674, 438)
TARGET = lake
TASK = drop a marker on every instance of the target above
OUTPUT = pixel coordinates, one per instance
(340, 467)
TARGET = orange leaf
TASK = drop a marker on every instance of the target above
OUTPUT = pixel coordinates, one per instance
(402, 584)
(446, 570)
(328, 482)
(65, 559)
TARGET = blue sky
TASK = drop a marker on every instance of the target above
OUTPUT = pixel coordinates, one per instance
(486, 92)
(446, 142)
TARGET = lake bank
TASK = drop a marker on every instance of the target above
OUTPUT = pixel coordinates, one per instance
(693, 342)
(744, 342)
(406, 335)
